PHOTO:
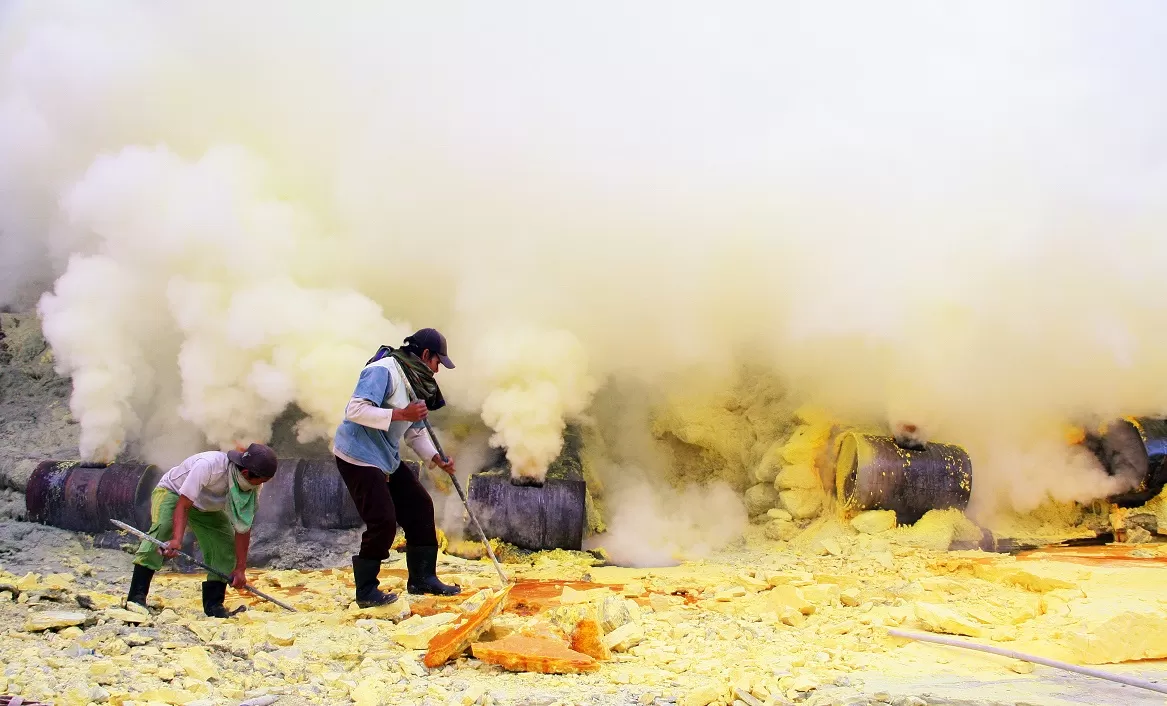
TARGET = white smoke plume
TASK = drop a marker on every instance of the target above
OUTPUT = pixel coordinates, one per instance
(947, 215)
(661, 526)
(532, 382)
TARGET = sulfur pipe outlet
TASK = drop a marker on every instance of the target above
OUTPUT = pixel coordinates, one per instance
(875, 473)
(1134, 449)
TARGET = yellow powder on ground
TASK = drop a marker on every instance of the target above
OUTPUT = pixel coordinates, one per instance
(1049, 523)
(772, 621)
(936, 530)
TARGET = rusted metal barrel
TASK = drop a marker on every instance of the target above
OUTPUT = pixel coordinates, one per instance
(322, 499)
(548, 516)
(874, 473)
(1134, 449)
(277, 497)
(84, 497)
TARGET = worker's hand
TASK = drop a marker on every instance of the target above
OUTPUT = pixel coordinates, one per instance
(238, 578)
(415, 412)
(170, 549)
(447, 465)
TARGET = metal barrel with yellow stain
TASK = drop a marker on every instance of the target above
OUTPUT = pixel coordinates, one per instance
(874, 473)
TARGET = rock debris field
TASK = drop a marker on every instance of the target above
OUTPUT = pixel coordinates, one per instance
(763, 622)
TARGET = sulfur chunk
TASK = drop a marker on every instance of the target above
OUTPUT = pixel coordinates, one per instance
(874, 521)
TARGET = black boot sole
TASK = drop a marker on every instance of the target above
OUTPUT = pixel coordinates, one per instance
(422, 591)
(390, 598)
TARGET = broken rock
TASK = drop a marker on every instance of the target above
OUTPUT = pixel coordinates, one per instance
(705, 695)
(614, 612)
(624, 637)
(789, 597)
(416, 632)
(571, 596)
(874, 521)
(780, 530)
(279, 634)
(760, 498)
(938, 618)
(53, 619)
(802, 504)
(798, 477)
(197, 663)
(125, 616)
(588, 639)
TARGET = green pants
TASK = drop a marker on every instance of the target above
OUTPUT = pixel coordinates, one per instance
(212, 530)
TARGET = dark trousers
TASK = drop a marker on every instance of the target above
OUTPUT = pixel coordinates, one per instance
(383, 502)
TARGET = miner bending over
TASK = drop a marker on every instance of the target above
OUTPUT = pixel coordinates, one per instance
(368, 455)
(216, 494)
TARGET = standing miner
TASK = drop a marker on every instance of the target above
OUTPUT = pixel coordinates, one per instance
(385, 490)
(215, 493)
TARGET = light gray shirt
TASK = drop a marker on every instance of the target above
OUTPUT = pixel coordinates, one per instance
(203, 478)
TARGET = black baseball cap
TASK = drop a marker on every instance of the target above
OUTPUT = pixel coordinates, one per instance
(258, 459)
(429, 339)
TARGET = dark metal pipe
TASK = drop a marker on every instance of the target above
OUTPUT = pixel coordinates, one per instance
(874, 473)
(1135, 449)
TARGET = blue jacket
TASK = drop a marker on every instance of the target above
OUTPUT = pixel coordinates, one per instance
(367, 433)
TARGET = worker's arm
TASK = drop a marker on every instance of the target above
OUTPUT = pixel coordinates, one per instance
(419, 440)
(367, 414)
(242, 544)
(364, 408)
(179, 527)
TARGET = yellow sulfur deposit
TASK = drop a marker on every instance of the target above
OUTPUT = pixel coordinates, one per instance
(773, 620)
(937, 530)
(796, 611)
(806, 445)
(1073, 435)
(399, 541)
(723, 435)
(1049, 523)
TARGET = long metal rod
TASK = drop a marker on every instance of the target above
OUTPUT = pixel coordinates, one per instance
(142, 535)
(457, 486)
(1109, 676)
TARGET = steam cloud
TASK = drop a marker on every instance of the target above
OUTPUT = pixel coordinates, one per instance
(947, 215)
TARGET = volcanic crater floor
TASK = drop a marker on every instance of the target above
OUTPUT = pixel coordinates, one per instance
(763, 622)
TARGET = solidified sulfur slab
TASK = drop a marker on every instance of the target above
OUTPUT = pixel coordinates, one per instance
(534, 654)
(451, 643)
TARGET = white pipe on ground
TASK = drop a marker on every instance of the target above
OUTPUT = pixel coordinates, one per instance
(1109, 676)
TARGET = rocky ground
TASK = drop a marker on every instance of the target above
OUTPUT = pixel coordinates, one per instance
(35, 423)
(766, 622)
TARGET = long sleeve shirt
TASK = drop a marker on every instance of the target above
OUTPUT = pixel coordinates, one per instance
(368, 436)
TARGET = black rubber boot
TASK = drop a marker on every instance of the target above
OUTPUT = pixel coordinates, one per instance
(423, 577)
(140, 585)
(213, 594)
(365, 577)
